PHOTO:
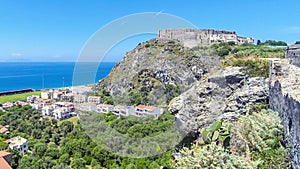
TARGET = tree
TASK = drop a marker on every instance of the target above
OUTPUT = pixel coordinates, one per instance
(258, 42)
(77, 163)
(39, 149)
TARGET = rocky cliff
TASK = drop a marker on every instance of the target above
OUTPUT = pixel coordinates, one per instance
(153, 65)
(224, 94)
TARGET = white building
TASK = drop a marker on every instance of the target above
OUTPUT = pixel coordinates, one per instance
(47, 110)
(62, 113)
(80, 98)
(105, 108)
(32, 99)
(142, 110)
(18, 143)
(124, 110)
(94, 99)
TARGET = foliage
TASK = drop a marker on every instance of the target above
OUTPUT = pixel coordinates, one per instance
(66, 145)
(253, 68)
(217, 134)
(17, 97)
(274, 43)
(255, 143)
(212, 156)
(259, 135)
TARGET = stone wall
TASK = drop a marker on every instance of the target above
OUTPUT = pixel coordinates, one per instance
(194, 37)
(284, 97)
(293, 54)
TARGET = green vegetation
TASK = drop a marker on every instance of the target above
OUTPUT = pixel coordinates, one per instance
(253, 68)
(63, 145)
(273, 43)
(255, 143)
(248, 50)
(217, 133)
(17, 97)
(73, 120)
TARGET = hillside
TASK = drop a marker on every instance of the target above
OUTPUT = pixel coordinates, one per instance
(155, 72)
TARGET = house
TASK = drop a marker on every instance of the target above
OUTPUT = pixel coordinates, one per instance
(46, 95)
(5, 160)
(142, 110)
(67, 97)
(8, 105)
(57, 95)
(124, 110)
(94, 99)
(105, 108)
(18, 143)
(37, 105)
(32, 99)
(47, 110)
(79, 98)
(3, 130)
(21, 103)
(62, 113)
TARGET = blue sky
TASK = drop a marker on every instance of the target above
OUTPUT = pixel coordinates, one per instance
(56, 30)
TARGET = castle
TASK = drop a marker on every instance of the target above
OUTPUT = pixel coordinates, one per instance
(194, 37)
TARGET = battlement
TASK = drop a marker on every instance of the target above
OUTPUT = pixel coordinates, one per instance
(293, 54)
(194, 37)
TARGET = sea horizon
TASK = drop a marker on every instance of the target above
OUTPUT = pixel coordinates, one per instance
(46, 75)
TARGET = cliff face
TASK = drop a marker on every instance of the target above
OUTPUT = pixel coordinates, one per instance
(154, 64)
(223, 95)
(285, 98)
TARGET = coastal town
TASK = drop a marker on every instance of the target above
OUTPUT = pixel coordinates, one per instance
(62, 104)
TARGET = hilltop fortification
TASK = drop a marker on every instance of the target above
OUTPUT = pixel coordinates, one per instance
(194, 37)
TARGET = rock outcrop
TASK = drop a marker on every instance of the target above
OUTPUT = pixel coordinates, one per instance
(223, 95)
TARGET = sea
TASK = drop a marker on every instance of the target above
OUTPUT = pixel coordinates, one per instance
(46, 75)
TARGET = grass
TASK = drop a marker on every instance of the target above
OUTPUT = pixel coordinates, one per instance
(74, 120)
(17, 97)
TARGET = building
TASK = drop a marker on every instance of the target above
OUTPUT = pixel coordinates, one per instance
(142, 110)
(194, 37)
(47, 110)
(62, 113)
(105, 108)
(57, 95)
(124, 110)
(5, 160)
(46, 95)
(18, 143)
(32, 99)
(8, 105)
(94, 99)
(80, 98)
(3, 130)
(69, 97)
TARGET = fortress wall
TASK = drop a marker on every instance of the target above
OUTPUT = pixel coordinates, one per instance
(285, 98)
(202, 36)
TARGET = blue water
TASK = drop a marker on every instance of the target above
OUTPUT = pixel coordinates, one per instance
(38, 75)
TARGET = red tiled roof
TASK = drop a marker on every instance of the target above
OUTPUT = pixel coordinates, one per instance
(4, 153)
(4, 164)
(145, 107)
(3, 130)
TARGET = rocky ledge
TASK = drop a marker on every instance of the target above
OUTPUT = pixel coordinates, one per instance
(224, 94)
